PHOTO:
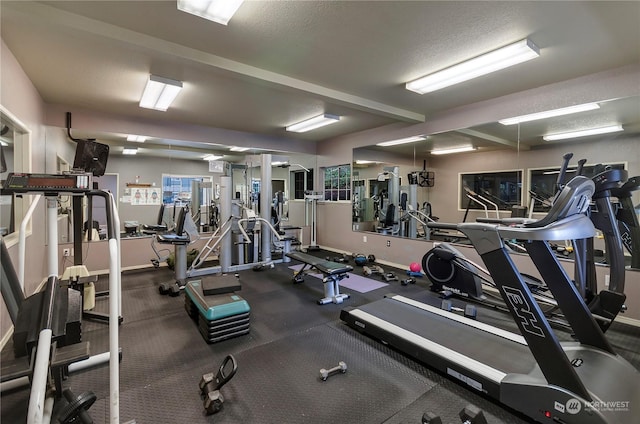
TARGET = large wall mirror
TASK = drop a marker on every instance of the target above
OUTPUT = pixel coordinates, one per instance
(15, 156)
(507, 167)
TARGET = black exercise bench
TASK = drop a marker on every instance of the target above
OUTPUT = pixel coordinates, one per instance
(333, 272)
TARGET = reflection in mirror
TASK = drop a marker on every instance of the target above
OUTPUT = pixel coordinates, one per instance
(509, 165)
(491, 192)
(390, 198)
(15, 156)
(543, 182)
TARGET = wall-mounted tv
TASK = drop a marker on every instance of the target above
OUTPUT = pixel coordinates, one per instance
(91, 156)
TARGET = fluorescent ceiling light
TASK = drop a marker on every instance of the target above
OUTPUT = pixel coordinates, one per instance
(279, 163)
(4, 143)
(239, 149)
(212, 157)
(583, 133)
(365, 162)
(405, 140)
(159, 93)
(453, 150)
(313, 123)
(550, 113)
(130, 151)
(136, 138)
(504, 57)
(219, 11)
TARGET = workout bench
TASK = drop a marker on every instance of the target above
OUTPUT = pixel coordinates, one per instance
(333, 272)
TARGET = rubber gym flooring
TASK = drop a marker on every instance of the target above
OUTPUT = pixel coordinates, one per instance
(291, 339)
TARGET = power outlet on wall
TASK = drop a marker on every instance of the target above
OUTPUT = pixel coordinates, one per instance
(66, 252)
(388, 243)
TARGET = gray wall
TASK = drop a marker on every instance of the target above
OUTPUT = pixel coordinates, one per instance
(20, 98)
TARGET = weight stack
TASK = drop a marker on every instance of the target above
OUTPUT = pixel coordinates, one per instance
(219, 317)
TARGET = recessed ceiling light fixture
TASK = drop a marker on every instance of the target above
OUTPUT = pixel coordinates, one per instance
(453, 150)
(313, 123)
(136, 138)
(495, 60)
(550, 113)
(405, 140)
(159, 93)
(583, 133)
(212, 157)
(130, 151)
(239, 149)
(219, 11)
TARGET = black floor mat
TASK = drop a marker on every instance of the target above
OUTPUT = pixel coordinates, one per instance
(290, 339)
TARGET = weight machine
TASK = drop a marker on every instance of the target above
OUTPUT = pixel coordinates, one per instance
(54, 342)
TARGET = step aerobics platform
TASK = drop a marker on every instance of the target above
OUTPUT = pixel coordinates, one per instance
(219, 317)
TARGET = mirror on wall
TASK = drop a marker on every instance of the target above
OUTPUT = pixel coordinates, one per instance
(15, 156)
(505, 164)
(388, 190)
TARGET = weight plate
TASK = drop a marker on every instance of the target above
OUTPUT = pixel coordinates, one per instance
(70, 413)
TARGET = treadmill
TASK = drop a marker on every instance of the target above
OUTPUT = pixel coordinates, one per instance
(534, 373)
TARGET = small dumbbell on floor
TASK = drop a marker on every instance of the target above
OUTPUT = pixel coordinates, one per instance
(341, 367)
(408, 281)
(431, 418)
(469, 415)
(213, 402)
(210, 385)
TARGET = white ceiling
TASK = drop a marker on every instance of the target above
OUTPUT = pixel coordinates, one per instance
(278, 62)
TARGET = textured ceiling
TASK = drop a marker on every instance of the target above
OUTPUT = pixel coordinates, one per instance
(278, 62)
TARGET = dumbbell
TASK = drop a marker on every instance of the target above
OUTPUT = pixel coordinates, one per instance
(210, 385)
(389, 276)
(408, 281)
(341, 367)
(471, 414)
(469, 311)
(431, 418)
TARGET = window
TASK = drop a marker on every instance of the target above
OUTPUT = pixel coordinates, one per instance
(298, 183)
(543, 183)
(337, 183)
(176, 189)
(491, 189)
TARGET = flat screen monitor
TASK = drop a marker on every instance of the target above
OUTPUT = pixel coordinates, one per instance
(91, 156)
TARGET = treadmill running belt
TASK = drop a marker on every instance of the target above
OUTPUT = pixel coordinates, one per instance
(488, 348)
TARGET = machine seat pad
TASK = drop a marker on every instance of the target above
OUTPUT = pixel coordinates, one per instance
(152, 229)
(172, 238)
(322, 265)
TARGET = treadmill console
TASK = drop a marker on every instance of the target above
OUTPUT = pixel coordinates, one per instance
(49, 184)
